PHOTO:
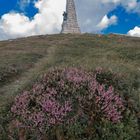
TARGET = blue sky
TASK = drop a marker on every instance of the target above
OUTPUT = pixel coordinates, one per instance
(14, 5)
(19, 18)
(126, 21)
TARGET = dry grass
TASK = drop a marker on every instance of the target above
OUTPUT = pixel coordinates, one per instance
(23, 60)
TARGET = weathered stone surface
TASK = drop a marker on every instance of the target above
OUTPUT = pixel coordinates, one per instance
(70, 24)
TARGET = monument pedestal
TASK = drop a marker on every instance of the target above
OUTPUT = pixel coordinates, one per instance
(70, 24)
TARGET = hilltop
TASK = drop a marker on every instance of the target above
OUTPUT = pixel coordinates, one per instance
(24, 60)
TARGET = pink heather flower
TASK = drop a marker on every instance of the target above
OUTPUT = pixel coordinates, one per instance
(21, 103)
(111, 104)
(99, 70)
(93, 86)
(75, 75)
(55, 110)
(51, 121)
(38, 89)
(57, 98)
(37, 118)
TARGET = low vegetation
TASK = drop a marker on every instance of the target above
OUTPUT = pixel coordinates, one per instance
(22, 61)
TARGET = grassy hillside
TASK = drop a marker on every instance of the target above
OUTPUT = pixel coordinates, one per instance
(23, 60)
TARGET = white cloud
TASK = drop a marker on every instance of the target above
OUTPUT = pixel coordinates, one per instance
(91, 12)
(49, 18)
(134, 32)
(127, 4)
(110, 1)
(106, 22)
(24, 3)
(132, 5)
(15, 23)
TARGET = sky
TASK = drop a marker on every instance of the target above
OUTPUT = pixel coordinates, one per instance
(22, 18)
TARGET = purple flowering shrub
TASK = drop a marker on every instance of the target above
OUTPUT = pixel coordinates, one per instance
(66, 96)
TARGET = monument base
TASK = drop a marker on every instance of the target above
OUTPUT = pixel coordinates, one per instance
(67, 28)
(70, 24)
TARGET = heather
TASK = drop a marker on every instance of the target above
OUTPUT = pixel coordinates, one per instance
(71, 100)
(22, 61)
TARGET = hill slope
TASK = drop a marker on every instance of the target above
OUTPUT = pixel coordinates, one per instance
(23, 60)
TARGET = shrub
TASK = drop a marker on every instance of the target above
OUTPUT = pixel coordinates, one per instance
(6, 73)
(70, 99)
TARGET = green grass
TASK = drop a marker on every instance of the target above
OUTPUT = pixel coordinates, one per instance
(23, 60)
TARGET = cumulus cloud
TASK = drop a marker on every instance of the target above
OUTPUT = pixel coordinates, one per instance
(106, 22)
(91, 12)
(134, 32)
(49, 18)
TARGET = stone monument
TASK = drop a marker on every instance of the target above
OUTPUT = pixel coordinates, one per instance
(70, 24)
